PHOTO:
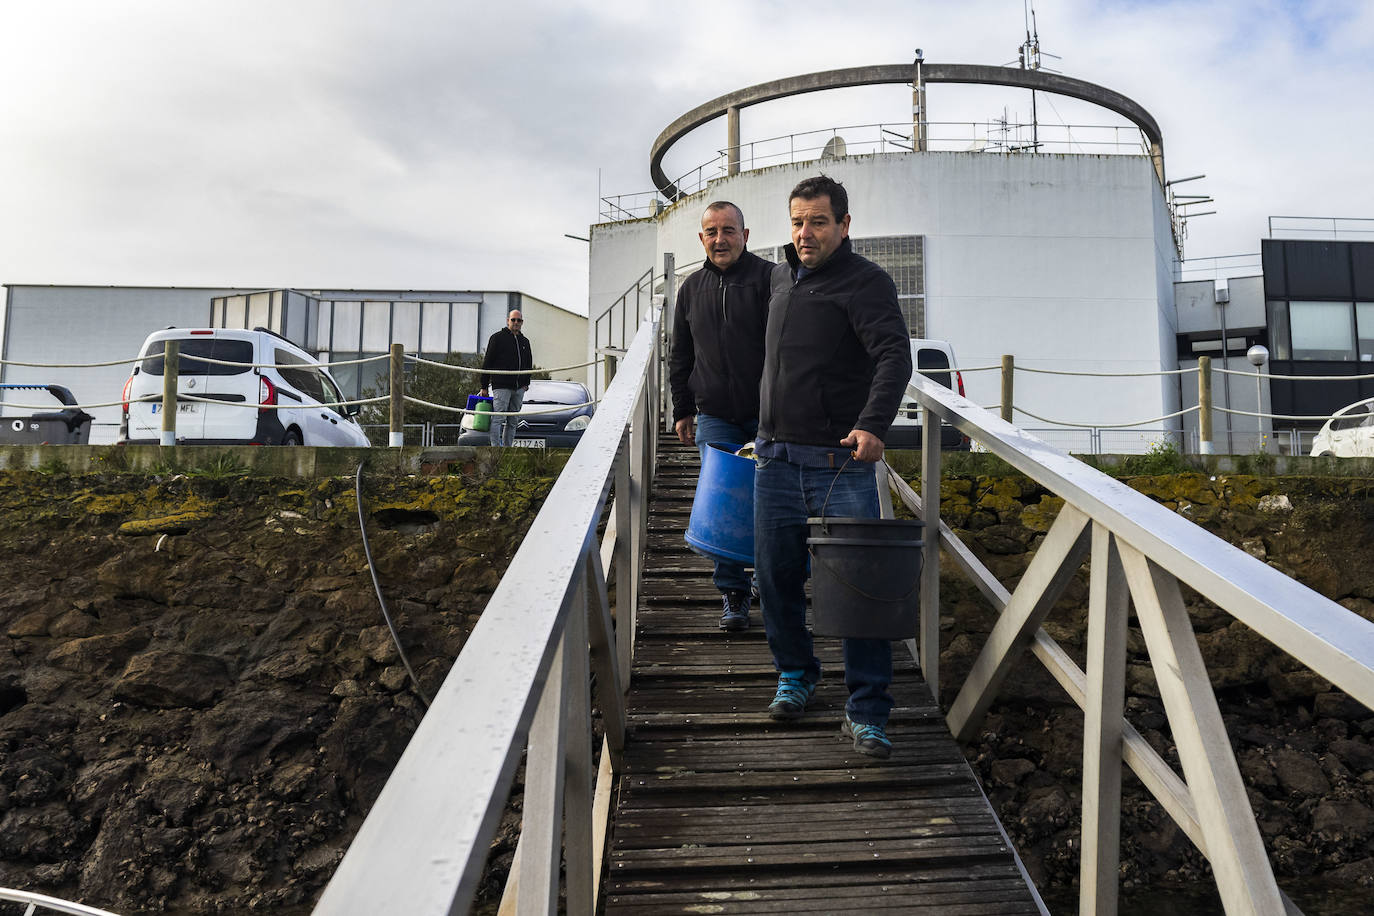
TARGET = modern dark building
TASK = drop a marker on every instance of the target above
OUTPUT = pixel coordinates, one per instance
(1319, 298)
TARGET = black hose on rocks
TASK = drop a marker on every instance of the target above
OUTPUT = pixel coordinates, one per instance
(371, 568)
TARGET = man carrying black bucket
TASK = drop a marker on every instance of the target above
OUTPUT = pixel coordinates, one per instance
(717, 358)
(837, 365)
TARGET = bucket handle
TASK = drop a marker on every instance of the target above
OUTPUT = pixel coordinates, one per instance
(860, 592)
(824, 527)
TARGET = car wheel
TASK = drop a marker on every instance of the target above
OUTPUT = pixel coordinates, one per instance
(1326, 455)
(291, 438)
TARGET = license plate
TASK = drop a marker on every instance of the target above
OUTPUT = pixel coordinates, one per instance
(187, 407)
(528, 443)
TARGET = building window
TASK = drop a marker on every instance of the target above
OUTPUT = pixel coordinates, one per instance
(376, 327)
(1322, 330)
(1364, 322)
(405, 321)
(1278, 329)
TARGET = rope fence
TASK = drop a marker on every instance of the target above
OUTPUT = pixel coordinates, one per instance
(1167, 416)
(397, 398)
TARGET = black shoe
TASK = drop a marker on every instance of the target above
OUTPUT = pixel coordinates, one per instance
(736, 616)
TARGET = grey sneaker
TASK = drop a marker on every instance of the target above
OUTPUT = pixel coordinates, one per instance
(736, 616)
(794, 692)
(870, 740)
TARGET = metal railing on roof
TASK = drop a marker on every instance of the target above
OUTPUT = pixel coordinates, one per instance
(1350, 228)
(995, 136)
(521, 682)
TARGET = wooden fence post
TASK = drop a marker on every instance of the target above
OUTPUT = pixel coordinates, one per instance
(398, 396)
(170, 364)
(1204, 403)
(1008, 383)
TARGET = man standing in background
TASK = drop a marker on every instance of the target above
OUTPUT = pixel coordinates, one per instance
(508, 350)
(717, 358)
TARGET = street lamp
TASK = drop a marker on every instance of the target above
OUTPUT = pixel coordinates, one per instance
(1258, 356)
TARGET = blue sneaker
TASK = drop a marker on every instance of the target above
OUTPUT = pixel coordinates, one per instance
(794, 692)
(868, 739)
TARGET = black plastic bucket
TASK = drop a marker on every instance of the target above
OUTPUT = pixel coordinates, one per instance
(865, 577)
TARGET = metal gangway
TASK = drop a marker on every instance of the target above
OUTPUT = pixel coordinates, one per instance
(564, 618)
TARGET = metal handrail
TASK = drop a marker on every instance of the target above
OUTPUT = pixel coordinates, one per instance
(521, 679)
(1139, 553)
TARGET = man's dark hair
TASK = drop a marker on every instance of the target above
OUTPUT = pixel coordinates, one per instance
(823, 186)
(724, 205)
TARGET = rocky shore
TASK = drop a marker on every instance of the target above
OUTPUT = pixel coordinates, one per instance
(199, 699)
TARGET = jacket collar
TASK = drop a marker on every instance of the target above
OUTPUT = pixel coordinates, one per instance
(843, 253)
(745, 256)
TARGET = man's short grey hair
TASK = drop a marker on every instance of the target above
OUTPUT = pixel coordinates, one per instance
(724, 205)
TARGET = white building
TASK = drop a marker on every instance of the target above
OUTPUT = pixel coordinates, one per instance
(1065, 261)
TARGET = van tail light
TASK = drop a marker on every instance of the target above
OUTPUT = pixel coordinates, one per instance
(125, 396)
(267, 392)
(959, 377)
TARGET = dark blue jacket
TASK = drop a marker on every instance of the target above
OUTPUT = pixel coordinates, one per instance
(838, 351)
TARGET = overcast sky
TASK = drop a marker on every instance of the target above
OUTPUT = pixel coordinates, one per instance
(417, 144)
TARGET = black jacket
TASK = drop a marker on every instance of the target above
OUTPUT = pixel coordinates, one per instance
(507, 350)
(718, 327)
(839, 356)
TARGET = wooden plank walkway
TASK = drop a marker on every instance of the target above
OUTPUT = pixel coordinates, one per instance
(722, 810)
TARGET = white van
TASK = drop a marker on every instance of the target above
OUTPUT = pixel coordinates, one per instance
(289, 399)
(935, 360)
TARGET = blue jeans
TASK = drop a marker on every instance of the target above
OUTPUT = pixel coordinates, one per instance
(728, 575)
(785, 495)
(503, 428)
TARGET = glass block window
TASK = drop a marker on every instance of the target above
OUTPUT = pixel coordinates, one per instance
(903, 257)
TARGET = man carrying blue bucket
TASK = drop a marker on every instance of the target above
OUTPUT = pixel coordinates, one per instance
(837, 365)
(717, 358)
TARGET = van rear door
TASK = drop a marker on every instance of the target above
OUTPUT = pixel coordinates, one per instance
(145, 417)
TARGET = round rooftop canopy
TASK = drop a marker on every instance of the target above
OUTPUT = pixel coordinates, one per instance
(901, 73)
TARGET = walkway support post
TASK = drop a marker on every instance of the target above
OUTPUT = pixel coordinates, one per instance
(1008, 384)
(669, 311)
(929, 647)
(1204, 402)
(1103, 730)
(398, 396)
(170, 361)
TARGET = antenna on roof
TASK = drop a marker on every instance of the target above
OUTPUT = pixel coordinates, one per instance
(1029, 56)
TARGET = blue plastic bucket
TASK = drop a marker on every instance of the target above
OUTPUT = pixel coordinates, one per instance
(722, 522)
